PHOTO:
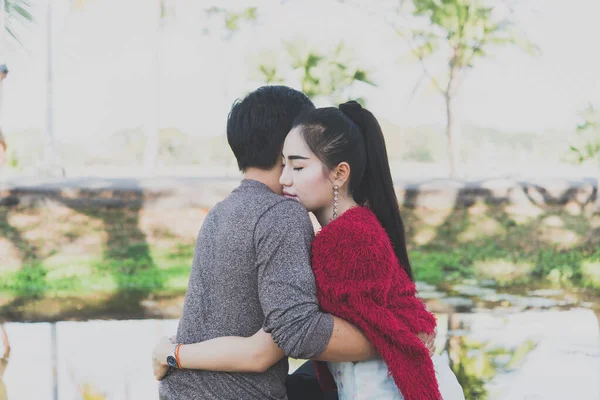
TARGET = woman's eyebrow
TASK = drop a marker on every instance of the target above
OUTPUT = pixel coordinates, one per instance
(297, 158)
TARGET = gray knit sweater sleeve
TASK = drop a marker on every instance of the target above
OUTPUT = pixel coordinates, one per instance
(286, 283)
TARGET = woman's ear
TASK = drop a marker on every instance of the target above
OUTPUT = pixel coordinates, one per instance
(341, 174)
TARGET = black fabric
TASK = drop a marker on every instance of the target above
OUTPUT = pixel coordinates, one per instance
(303, 385)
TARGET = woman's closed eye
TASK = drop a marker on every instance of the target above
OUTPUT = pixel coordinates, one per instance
(298, 168)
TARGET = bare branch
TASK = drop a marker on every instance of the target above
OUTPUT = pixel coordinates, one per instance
(431, 77)
(414, 91)
(422, 62)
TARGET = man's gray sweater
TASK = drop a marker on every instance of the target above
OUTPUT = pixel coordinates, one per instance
(251, 270)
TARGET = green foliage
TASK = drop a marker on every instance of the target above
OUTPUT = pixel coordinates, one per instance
(18, 12)
(588, 136)
(436, 266)
(233, 20)
(329, 75)
(468, 28)
(269, 74)
(564, 267)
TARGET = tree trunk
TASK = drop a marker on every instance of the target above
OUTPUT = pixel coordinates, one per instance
(52, 163)
(49, 151)
(453, 139)
(451, 132)
(151, 128)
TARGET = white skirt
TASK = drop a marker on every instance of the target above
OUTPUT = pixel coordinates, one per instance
(369, 380)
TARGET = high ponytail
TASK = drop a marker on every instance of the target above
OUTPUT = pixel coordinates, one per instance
(352, 134)
(376, 189)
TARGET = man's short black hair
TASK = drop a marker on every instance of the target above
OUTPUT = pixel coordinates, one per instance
(258, 124)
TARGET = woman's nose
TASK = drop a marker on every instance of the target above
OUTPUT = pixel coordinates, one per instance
(284, 179)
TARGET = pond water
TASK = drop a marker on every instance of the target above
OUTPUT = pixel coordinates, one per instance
(509, 345)
(521, 343)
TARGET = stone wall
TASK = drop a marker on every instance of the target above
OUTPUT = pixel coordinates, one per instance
(206, 192)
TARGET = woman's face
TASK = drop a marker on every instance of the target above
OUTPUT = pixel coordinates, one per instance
(304, 177)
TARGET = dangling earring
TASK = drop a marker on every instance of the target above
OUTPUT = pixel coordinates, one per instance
(335, 201)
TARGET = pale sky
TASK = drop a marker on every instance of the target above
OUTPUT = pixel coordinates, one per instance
(106, 79)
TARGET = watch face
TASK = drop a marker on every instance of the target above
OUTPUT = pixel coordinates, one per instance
(172, 361)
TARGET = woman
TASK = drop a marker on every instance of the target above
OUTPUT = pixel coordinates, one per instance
(336, 165)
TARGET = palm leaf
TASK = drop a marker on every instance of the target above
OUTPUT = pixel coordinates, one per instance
(15, 37)
(17, 12)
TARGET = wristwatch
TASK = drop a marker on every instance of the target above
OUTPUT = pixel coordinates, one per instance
(172, 357)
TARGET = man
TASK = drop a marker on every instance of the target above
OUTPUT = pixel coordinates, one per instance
(251, 267)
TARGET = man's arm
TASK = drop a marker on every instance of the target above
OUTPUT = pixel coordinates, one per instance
(288, 296)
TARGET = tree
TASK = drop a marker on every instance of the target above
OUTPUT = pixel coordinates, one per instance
(587, 147)
(152, 127)
(462, 32)
(330, 76)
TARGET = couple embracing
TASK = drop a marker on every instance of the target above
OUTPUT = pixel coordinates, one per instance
(264, 287)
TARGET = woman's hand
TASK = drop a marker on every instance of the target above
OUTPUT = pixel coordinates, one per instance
(159, 358)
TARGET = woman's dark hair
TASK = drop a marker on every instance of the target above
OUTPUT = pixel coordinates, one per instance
(352, 134)
(258, 124)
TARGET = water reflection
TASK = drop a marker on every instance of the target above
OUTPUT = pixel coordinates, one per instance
(476, 363)
(506, 344)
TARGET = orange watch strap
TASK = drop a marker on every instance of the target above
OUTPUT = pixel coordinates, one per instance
(177, 355)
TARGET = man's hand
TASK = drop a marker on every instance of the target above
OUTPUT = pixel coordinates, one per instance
(429, 341)
(159, 358)
(160, 370)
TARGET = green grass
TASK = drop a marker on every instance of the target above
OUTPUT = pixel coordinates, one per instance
(552, 266)
(85, 275)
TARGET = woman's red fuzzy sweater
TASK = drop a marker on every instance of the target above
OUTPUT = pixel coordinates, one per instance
(360, 280)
